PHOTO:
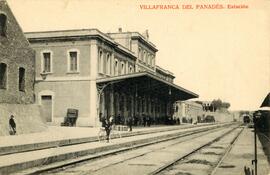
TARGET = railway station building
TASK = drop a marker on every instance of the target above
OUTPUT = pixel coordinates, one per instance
(102, 74)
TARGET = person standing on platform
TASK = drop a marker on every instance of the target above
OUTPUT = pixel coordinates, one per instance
(12, 125)
(144, 120)
(130, 123)
(108, 127)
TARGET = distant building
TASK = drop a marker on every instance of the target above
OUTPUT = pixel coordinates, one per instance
(221, 114)
(188, 111)
(17, 67)
(102, 75)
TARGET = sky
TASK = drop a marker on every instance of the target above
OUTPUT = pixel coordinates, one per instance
(216, 53)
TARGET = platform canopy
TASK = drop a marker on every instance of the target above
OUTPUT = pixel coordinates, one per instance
(147, 83)
(266, 101)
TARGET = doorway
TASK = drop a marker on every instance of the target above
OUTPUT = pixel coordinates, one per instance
(46, 102)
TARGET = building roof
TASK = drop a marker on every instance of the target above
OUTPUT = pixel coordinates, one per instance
(77, 34)
(152, 83)
(164, 71)
(138, 36)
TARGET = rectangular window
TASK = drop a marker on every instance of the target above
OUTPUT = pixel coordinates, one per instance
(47, 62)
(3, 24)
(3, 75)
(73, 61)
(21, 79)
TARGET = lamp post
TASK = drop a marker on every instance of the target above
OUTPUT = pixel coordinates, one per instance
(43, 75)
(100, 91)
(256, 116)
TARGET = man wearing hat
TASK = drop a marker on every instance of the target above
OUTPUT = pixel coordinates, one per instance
(12, 125)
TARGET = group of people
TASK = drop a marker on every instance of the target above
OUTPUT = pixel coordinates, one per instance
(146, 121)
(108, 122)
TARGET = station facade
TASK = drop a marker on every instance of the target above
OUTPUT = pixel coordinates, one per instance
(102, 74)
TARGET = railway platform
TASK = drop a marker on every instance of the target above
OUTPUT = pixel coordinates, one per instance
(59, 143)
(61, 136)
(241, 155)
(25, 154)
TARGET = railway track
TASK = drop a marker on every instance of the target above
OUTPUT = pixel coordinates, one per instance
(106, 162)
(197, 156)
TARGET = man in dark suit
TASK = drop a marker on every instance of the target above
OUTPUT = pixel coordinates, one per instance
(12, 125)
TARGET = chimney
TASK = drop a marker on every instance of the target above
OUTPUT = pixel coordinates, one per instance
(146, 34)
(119, 29)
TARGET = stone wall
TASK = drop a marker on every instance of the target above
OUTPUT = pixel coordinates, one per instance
(15, 52)
(27, 118)
(221, 116)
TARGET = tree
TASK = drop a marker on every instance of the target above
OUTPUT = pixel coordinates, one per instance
(226, 105)
(217, 104)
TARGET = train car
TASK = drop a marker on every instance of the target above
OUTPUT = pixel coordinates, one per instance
(246, 119)
(263, 122)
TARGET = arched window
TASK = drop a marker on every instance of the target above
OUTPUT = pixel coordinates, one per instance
(100, 62)
(130, 69)
(3, 76)
(116, 67)
(108, 64)
(122, 68)
(149, 59)
(21, 79)
(144, 56)
(3, 24)
(139, 53)
(104, 68)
